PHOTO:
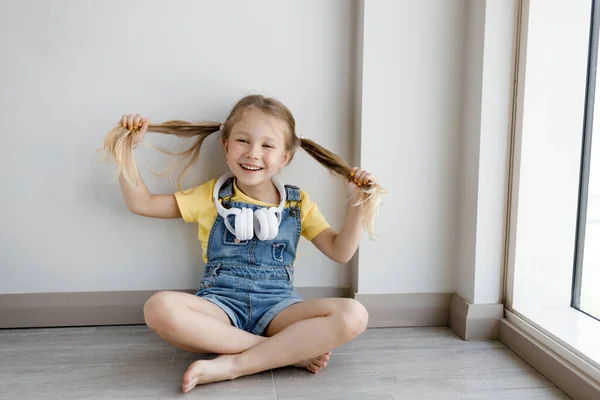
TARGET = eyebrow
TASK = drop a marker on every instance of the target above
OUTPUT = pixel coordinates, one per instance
(269, 138)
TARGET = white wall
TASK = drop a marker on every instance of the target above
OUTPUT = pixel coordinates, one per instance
(70, 69)
(494, 150)
(469, 152)
(67, 82)
(411, 135)
(485, 150)
(358, 82)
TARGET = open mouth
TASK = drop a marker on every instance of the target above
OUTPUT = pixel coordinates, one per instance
(250, 168)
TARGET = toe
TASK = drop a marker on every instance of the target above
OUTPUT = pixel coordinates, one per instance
(188, 384)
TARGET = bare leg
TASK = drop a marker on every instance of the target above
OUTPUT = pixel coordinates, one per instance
(194, 324)
(339, 321)
(290, 316)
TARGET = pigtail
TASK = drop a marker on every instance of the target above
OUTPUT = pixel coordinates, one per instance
(118, 144)
(371, 195)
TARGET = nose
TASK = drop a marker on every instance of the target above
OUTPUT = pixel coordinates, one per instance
(254, 151)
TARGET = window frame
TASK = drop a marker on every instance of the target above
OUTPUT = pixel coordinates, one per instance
(585, 159)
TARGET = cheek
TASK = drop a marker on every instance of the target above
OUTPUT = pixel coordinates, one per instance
(274, 157)
(234, 148)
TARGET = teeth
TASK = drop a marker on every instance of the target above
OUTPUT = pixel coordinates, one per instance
(251, 168)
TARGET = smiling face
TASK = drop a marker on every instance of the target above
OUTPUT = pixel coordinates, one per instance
(255, 148)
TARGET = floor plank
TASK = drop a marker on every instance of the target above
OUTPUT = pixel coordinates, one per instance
(397, 375)
(131, 362)
(64, 347)
(406, 363)
(500, 394)
(393, 339)
(125, 380)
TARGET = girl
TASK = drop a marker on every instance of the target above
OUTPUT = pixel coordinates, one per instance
(246, 308)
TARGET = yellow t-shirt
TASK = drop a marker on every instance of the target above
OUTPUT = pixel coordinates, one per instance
(196, 205)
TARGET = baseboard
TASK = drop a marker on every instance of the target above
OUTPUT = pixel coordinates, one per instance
(555, 368)
(406, 309)
(474, 321)
(29, 310)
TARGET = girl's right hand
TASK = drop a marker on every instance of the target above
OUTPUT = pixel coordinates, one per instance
(135, 122)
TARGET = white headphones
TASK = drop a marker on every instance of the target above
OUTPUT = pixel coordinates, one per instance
(264, 222)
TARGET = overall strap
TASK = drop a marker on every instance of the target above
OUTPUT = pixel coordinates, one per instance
(226, 192)
(292, 193)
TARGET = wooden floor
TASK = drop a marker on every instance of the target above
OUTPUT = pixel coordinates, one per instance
(130, 362)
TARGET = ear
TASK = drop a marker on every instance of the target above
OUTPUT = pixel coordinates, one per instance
(285, 159)
(224, 142)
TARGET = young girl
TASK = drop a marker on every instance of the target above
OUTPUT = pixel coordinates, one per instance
(246, 308)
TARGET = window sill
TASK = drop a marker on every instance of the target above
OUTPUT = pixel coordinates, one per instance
(570, 333)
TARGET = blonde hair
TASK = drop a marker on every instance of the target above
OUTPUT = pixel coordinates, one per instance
(118, 145)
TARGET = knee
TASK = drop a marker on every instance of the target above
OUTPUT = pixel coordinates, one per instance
(353, 318)
(156, 309)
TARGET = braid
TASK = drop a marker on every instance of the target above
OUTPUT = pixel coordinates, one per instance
(118, 144)
(371, 194)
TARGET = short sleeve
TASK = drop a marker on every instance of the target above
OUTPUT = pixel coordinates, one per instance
(313, 222)
(193, 203)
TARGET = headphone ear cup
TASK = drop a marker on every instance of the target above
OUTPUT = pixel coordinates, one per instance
(239, 229)
(261, 224)
(243, 225)
(249, 227)
(273, 224)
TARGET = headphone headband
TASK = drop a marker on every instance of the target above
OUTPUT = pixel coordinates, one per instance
(221, 181)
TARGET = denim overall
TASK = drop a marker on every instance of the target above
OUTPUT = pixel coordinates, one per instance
(252, 280)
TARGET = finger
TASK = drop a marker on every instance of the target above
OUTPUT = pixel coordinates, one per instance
(353, 171)
(130, 121)
(361, 177)
(367, 178)
(136, 121)
(356, 174)
(145, 122)
(124, 121)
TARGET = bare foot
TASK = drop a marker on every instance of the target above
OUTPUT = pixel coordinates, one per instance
(316, 364)
(207, 371)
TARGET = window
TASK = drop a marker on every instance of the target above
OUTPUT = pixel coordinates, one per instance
(586, 276)
(554, 250)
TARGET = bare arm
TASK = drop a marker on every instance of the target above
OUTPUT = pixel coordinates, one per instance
(340, 247)
(141, 202)
(138, 199)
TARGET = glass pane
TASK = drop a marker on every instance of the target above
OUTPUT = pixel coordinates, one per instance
(590, 278)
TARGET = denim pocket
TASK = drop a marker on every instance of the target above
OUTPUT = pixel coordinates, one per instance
(290, 273)
(229, 238)
(210, 276)
(207, 282)
(278, 251)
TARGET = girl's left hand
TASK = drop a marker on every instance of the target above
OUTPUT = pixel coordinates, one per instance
(361, 177)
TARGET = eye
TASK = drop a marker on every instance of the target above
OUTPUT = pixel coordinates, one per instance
(241, 140)
(269, 146)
